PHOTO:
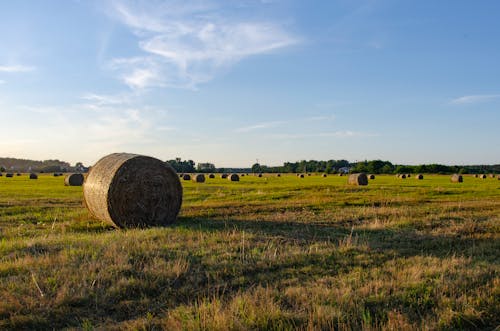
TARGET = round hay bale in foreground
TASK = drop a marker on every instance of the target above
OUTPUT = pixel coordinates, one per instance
(234, 178)
(358, 179)
(33, 176)
(223, 176)
(419, 176)
(129, 190)
(371, 176)
(9, 175)
(211, 176)
(457, 178)
(74, 180)
(186, 177)
(199, 178)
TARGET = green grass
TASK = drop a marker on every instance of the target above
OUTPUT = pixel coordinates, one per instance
(263, 253)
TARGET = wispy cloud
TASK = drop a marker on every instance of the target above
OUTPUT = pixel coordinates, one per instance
(16, 68)
(259, 126)
(334, 134)
(185, 45)
(477, 98)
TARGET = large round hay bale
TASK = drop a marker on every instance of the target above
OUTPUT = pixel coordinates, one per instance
(223, 176)
(419, 176)
(372, 176)
(199, 178)
(457, 178)
(324, 175)
(74, 180)
(129, 190)
(358, 179)
(211, 176)
(9, 175)
(186, 176)
(234, 178)
(482, 176)
(33, 176)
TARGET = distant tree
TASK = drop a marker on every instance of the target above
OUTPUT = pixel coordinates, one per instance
(2, 169)
(256, 168)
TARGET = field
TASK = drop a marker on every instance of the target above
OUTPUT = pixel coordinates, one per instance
(263, 253)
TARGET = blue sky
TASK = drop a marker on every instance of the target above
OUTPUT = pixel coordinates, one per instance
(230, 82)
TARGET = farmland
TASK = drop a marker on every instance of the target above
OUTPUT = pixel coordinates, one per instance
(261, 253)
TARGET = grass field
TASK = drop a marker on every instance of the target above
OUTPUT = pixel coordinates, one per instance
(263, 253)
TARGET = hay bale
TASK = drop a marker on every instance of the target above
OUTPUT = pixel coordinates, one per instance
(419, 176)
(242, 175)
(181, 175)
(301, 175)
(457, 178)
(129, 190)
(33, 176)
(324, 175)
(341, 174)
(402, 176)
(371, 176)
(199, 178)
(211, 176)
(1, 174)
(56, 174)
(408, 176)
(74, 180)
(482, 176)
(475, 176)
(9, 175)
(309, 174)
(278, 175)
(223, 176)
(18, 174)
(358, 179)
(234, 178)
(492, 176)
(259, 175)
(186, 176)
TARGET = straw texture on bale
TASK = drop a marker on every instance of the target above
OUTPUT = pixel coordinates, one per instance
(33, 176)
(419, 176)
(9, 175)
(223, 176)
(129, 190)
(186, 177)
(74, 180)
(199, 178)
(358, 179)
(371, 176)
(234, 178)
(211, 176)
(457, 178)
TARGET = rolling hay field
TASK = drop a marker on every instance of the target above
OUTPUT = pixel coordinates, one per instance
(273, 253)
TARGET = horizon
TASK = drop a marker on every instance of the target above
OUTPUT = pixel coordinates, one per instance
(234, 82)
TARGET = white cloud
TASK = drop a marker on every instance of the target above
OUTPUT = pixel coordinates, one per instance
(186, 45)
(16, 68)
(259, 126)
(468, 99)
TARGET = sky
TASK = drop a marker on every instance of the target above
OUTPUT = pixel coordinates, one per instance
(240, 81)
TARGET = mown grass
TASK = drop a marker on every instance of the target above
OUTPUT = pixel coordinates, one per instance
(262, 253)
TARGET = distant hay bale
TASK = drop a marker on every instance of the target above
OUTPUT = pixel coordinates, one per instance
(309, 174)
(234, 178)
(278, 175)
(211, 176)
(33, 176)
(419, 176)
(242, 175)
(341, 174)
(18, 174)
(301, 175)
(492, 176)
(9, 175)
(186, 177)
(223, 176)
(56, 174)
(402, 176)
(181, 175)
(408, 175)
(74, 180)
(259, 175)
(358, 179)
(199, 178)
(371, 176)
(482, 176)
(324, 175)
(475, 176)
(129, 190)
(457, 178)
